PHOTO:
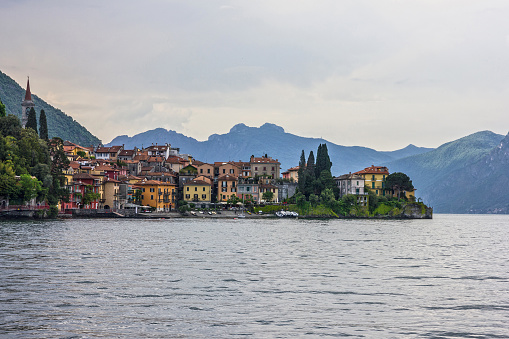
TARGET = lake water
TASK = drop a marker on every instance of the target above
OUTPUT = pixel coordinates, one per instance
(196, 278)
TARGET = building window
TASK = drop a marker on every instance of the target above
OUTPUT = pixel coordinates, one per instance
(204, 197)
(151, 197)
(373, 177)
(247, 188)
(187, 196)
(187, 189)
(152, 189)
(195, 189)
(201, 170)
(142, 197)
(273, 168)
(264, 168)
(143, 189)
(232, 171)
(256, 168)
(203, 189)
(224, 170)
(373, 186)
(208, 170)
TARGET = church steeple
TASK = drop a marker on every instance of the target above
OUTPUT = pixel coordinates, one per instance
(26, 105)
(28, 95)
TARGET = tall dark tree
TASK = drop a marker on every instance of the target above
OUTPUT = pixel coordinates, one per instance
(302, 172)
(43, 126)
(322, 160)
(2, 109)
(310, 166)
(32, 120)
(399, 182)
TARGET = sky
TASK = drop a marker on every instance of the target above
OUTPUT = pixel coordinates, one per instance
(376, 73)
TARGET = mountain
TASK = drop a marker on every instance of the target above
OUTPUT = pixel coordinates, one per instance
(59, 124)
(436, 169)
(480, 186)
(242, 141)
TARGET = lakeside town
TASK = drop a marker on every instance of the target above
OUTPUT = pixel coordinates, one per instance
(113, 180)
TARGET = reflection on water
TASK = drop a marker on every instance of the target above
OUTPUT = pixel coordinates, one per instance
(446, 277)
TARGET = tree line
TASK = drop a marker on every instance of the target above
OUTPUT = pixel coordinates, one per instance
(31, 165)
(317, 192)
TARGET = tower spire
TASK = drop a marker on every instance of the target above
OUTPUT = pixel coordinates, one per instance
(26, 105)
(28, 95)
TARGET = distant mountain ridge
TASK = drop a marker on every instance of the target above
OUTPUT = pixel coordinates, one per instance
(439, 175)
(243, 141)
(480, 186)
(59, 124)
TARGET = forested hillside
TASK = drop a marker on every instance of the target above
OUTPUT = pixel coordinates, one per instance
(59, 124)
(434, 173)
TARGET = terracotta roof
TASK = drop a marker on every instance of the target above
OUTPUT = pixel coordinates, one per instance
(154, 182)
(197, 182)
(83, 176)
(374, 170)
(227, 177)
(141, 157)
(264, 160)
(127, 152)
(174, 160)
(110, 180)
(74, 165)
(103, 168)
(155, 159)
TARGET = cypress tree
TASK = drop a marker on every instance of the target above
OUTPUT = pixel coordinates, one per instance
(302, 172)
(2, 109)
(43, 126)
(310, 167)
(32, 120)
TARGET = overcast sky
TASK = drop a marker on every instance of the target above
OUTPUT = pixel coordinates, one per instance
(373, 73)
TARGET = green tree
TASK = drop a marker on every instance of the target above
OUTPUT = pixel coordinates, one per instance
(89, 196)
(10, 126)
(32, 120)
(268, 196)
(2, 109)
(43, 126)
(398, 182)
(302, 171)
(29, 187)
(313, 200)
(233, 200)
(323, 162)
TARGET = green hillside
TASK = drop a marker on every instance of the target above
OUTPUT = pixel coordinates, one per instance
(59, 124)
(431, 172)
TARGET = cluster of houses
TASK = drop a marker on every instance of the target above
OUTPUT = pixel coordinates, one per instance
(159, 176)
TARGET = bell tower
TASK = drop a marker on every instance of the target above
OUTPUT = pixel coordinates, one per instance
(26, 105)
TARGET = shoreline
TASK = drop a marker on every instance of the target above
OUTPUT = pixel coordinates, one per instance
(32, 215)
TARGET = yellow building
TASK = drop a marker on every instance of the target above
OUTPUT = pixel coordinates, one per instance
(197, 191)
(374, 178)
(160, 195)
(110, 196)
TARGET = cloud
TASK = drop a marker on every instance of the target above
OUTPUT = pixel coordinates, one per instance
(431, 70)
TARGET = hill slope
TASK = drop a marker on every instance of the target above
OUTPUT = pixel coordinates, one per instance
(430, 170)
(481, 186)
(59, 124)
(242, 141)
